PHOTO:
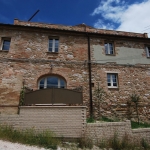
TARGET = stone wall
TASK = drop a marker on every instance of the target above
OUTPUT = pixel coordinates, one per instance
(64, 121)
(28, 60)
(106, 130)
(116, 102)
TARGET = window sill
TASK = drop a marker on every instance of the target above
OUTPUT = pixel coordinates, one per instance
(110, 54)
(52, 53)
(113, 88)
(6, 51)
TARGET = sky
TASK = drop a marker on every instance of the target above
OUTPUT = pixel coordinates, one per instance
(122, 15)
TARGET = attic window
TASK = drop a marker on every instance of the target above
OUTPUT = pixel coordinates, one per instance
(5, 44)
(148, 51)
(109, 48)
(53, 45)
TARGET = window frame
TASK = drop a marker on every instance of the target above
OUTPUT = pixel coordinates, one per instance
(53, 39)
(2, 43)
(111, 80)
(148, 51)
(45, 82)
(108, 51)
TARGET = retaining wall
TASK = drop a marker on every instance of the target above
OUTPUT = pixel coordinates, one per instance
(70, 121)
(65, 121)
(105, 131)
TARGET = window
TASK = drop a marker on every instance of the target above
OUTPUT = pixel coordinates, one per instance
(5, 44)
(109, 48)
(53, 45)
(52, 82)
(112, 81)
(148, 51)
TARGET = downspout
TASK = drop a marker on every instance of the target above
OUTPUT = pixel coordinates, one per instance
(90, 78)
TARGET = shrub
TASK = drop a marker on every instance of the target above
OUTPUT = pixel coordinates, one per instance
(145, 145)
(45, 139)
(85, 142)
(90, 120)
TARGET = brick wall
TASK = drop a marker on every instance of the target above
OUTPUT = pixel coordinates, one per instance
(63, 120)
(105, 131)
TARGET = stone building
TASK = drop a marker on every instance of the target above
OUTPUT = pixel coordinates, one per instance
(109, 66)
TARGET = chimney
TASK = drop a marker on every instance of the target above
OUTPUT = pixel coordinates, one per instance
(16, 21)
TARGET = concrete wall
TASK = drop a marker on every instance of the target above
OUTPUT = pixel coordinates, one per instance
(105, 131)
(65, 121)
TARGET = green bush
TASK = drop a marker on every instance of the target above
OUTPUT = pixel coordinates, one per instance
(145, 145)
(90, 120)
(103, 118)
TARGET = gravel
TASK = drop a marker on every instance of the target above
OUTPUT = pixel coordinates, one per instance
(16, 146)
(4, 145)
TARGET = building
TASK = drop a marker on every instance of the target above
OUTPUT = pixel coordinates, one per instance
(109, 66)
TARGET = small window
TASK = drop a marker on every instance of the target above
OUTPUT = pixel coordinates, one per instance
(53, 45)
(109, 49)
(112, 80)
(52, 82)
(6, 44)
(148, 51)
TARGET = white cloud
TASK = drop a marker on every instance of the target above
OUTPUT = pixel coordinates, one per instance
(109, 11)
(100, 24)
(136, 18)
(132, 18)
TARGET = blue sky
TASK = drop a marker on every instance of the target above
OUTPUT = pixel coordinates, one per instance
(123, 15)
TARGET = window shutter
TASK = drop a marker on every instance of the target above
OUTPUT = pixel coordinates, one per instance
(147, 52)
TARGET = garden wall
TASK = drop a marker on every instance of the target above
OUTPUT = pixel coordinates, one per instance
(65, 121)
(70, 121)
(106, 130)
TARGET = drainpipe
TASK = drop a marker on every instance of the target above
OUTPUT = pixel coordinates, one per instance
(90, 78)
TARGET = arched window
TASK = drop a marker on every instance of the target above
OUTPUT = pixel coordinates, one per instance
(52, 82)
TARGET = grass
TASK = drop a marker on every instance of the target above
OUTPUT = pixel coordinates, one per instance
(90, 120)
(135, 125)
(103, 118)
(45, 139)
(126, 143)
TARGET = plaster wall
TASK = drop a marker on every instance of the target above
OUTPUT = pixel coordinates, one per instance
(124, 55)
